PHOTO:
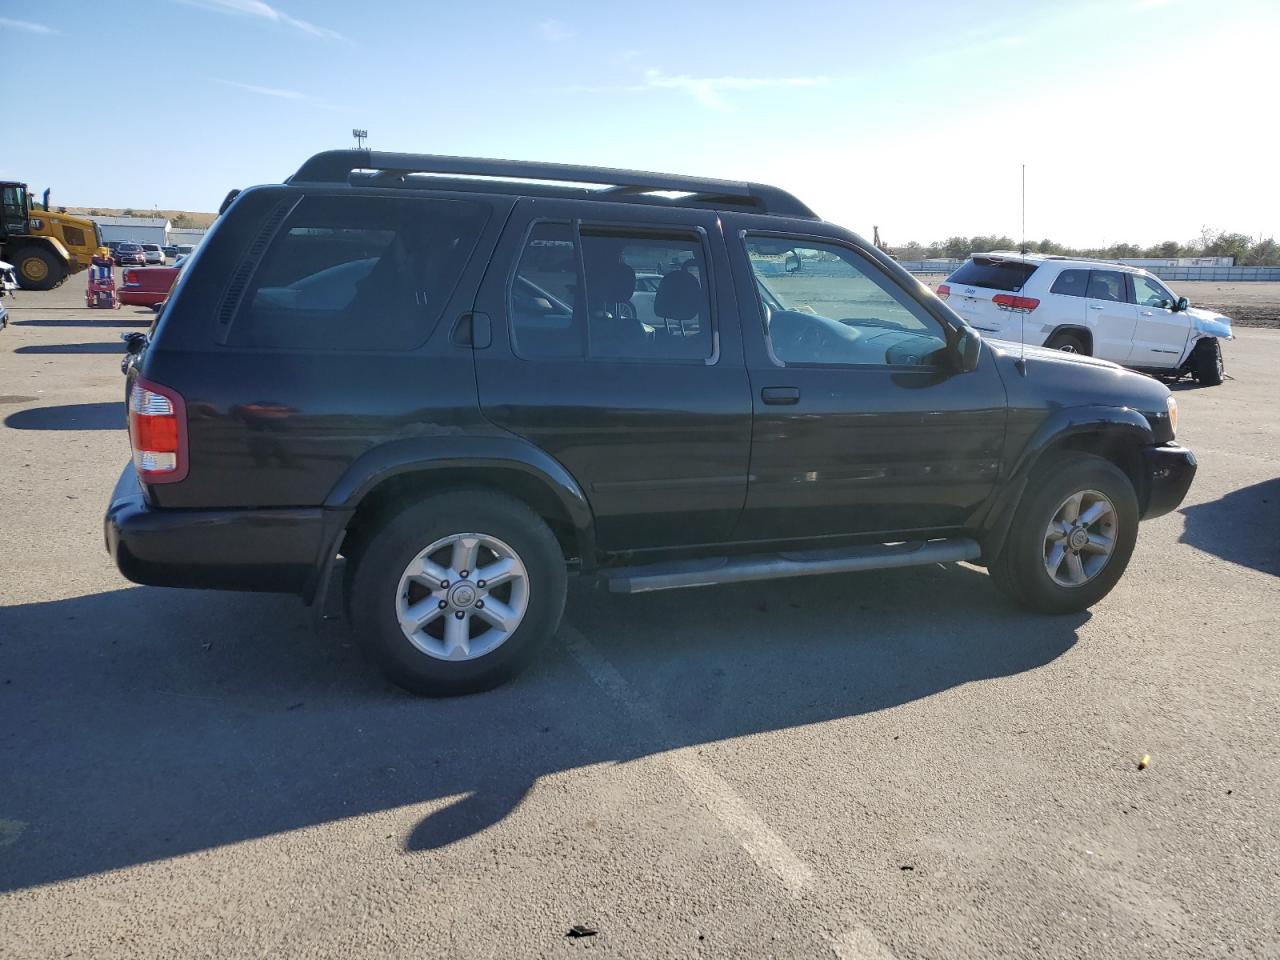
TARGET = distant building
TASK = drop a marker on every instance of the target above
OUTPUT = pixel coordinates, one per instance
(137, 229)
(191, 235)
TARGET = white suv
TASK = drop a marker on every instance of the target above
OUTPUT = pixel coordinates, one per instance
(153, 253)
(1107, 310)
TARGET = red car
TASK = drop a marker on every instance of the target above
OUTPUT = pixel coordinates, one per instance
(148, 286)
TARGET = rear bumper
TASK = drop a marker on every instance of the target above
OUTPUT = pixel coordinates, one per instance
(274, 551)
(1170, 468)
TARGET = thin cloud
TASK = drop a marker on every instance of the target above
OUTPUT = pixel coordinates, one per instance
(710, 91)
(279, 93)
(1151, 4)
(264, 11)
(553, 31)
(27, 25)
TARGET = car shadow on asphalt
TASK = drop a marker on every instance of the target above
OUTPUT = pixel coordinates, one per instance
(1243, 526)
(63, 348)
(69, 416)
(140, 724)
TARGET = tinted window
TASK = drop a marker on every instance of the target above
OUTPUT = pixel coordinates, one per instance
(993, 274)
(663, 316)
(1106, 285)
(1071, 283)
(824, 304)
(357, 273)
(1149, 293)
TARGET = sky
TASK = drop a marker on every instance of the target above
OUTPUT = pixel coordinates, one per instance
(1138, 120)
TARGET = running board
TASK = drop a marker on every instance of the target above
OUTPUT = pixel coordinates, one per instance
(705, 573)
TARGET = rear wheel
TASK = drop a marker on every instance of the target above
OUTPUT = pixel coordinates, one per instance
(38, 269)
(1206, 362)
(457, 593)
(1071, 537)
(1069, 343)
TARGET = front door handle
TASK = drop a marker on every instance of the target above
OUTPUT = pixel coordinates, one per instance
(1095, 306)
(782, 396)
(1147, 313)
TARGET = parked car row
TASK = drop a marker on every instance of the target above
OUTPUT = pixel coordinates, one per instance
(126, 252)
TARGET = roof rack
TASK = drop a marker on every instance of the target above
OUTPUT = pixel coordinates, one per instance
(337, 166)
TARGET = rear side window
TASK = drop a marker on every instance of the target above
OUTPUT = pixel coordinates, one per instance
(1009, 275)
(357, 273)
(619, 295)
(1071, 283)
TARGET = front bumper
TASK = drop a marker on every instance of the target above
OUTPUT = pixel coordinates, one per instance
(1169, 470)
(269, 550)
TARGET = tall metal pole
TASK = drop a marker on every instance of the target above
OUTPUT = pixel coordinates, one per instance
(1024, 209)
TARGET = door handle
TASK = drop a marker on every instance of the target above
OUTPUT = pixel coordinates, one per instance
(782, 396)
(1147, 313)
(1095, 306)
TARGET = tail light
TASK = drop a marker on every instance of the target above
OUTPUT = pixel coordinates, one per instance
(157, 432)
(130, 278)
(944, 291)
(1008, 301)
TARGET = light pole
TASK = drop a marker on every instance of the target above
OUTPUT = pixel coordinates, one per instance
(361, 136)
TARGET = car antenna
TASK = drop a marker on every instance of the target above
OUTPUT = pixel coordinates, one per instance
(1022, 346)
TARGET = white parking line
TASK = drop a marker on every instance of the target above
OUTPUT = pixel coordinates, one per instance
(764, 846)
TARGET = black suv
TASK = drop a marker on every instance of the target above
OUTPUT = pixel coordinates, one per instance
(441, 370)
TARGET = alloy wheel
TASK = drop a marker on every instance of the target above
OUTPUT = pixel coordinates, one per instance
(462, 597)
(1080, 538)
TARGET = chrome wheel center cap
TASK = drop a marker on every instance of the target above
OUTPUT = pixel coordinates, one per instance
(463, 595)
(1079, 537)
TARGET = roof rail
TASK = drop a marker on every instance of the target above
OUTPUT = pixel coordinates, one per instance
(337, 166)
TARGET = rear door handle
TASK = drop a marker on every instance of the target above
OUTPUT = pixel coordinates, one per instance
(1094, 306)
(782, 396)
(1147, 313)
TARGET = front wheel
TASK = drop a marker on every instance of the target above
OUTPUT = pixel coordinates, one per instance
(458, 592)
(1071, 537)
(1206, 363)
(38, 269)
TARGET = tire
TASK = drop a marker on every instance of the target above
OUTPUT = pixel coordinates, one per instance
(1021, 570)
(38, 269)
(1206, 363)
(432, 661)
(1069, 343)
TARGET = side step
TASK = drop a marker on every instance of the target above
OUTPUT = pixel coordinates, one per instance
(774, 566)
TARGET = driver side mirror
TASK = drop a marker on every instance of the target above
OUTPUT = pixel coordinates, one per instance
(966, 351)
(1181, 305)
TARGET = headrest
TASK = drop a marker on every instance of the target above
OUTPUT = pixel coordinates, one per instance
(679, 296)
(610, 281)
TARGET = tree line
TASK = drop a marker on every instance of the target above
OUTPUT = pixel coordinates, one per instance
(1247, 251)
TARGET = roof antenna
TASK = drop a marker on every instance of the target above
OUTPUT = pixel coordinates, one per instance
(1022, 346)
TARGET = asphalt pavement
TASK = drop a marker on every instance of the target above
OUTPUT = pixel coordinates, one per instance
(885, 765)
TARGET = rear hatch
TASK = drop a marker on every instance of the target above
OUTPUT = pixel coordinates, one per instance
(987, 292)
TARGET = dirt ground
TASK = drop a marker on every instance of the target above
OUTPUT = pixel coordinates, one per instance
(1247, 304)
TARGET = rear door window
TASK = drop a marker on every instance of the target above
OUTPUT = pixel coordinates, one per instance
(645, 296)
(1010, 275)
(357, 273)
(1071, 283)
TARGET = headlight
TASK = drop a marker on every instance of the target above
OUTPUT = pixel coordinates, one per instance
(1171, 403)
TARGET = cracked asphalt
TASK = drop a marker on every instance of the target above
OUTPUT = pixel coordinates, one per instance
(885, 765)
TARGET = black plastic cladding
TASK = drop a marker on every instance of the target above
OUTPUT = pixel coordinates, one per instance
(338, 166)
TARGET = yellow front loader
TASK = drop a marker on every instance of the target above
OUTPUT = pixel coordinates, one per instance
(46, 247)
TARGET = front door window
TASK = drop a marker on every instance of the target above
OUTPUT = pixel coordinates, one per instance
(824, 304)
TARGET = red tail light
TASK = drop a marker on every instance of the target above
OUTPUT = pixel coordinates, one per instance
(944, 290)
(1009, 302)
(157, 432)
(130, 278)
